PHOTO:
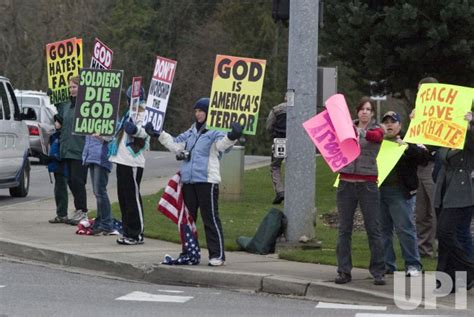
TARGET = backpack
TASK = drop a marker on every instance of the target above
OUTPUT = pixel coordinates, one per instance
(271, 227)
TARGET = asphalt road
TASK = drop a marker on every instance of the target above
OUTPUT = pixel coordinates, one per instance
(157, 164)
(34, 289)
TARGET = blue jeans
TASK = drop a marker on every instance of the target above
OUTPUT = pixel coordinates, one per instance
(367, 195)
(100, 179)
(397, 212)
(464, 236)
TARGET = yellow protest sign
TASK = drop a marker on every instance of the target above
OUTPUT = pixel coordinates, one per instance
(389, 154)
(79, 53)
(439, 115)
(236, 93)
(61, 61)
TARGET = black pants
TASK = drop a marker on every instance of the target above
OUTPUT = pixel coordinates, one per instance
(130, 200)
(205, 196)
(77, 179)
(451, 255)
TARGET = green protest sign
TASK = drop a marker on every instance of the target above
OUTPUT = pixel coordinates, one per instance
(98, 100)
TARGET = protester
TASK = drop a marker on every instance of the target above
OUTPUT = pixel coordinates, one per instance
(71, 154)
(358, 184)
(126, 151)
(396, 195)
(95, 157)
(60, 175)
(454, 203)
(276, 125)
(424, 208)
(200, 150)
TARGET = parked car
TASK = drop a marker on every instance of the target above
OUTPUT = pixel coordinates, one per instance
(14, 143)
(37, 107)
(40, 127)
(33, 97)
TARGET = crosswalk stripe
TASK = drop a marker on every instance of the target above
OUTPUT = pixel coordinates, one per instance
(347, 306)
(395, 315)
(147, 297)
(169, 291)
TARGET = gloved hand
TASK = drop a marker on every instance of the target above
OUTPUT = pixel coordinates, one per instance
(130, 127)
(150, 130)
(236, 131)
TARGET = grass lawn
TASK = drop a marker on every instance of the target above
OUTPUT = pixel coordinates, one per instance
(242, 219)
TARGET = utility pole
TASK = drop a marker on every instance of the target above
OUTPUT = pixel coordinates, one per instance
(300, 175)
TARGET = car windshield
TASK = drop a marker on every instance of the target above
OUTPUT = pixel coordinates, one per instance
(29, 100)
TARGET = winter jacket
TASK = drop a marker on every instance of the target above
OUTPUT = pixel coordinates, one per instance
(454, 183)
(276, 121)
(96, 152)
(205, 146)
(366, 163)
(71, 145)
(53, 155)
(123, 147)
(404, 174)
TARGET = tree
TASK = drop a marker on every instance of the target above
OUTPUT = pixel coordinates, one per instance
(402, 40)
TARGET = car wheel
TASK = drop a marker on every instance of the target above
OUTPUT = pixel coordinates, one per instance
(22, 189)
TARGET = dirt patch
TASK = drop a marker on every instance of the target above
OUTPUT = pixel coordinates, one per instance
(332, 220)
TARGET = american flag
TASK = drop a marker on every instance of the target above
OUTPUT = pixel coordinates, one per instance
(172, 206)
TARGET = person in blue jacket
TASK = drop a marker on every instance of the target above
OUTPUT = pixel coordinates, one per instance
(95, 157)
(199, 151)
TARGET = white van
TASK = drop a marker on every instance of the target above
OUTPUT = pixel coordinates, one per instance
(14, 143)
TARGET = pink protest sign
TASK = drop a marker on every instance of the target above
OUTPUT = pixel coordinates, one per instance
(333, 134)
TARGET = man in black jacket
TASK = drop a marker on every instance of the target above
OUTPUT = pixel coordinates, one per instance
(396, 201)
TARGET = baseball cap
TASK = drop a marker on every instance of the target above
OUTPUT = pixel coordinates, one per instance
(391, 114)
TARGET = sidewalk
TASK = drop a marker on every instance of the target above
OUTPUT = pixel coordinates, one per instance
(26, 233)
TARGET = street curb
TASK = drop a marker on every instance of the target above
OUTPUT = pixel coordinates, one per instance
(192, 275)
(202, 276)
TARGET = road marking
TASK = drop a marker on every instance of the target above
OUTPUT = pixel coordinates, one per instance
(2, 286)
(347, 306)
(147, 297)
(395, 315)
(169, 291)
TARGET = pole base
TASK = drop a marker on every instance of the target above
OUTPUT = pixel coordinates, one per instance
(309, 245)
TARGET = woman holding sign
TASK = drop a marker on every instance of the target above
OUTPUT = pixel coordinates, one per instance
(200, 150)
(358, 185)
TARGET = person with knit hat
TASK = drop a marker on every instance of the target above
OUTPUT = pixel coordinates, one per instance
(199, 151)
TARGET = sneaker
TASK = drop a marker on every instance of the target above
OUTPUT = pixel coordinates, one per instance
(77, 217)
(58, 219)
(278, 198)
(99, 231)
(129, 241)
(379, 280)
(216, 262)
(413, 271)
(111, 232)
(342, 278)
